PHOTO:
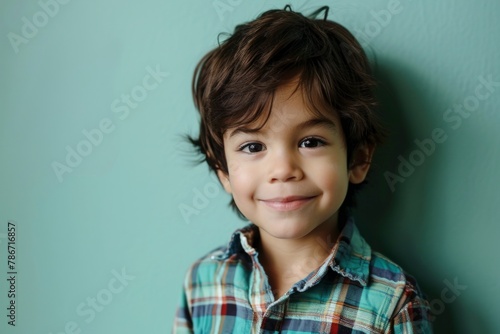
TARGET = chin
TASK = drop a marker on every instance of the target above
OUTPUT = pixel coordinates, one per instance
(288, 229)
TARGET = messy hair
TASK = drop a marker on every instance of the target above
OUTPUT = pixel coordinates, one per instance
(234, 84)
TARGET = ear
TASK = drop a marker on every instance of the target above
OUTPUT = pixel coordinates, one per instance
(361, 161)
(224, 179)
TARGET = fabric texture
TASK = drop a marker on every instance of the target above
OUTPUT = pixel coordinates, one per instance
(355, 290)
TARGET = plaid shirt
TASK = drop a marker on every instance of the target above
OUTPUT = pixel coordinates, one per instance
(356, 290)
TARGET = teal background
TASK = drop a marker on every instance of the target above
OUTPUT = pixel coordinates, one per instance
(120, 208)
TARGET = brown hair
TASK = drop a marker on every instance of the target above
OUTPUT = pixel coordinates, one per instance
(234, 84)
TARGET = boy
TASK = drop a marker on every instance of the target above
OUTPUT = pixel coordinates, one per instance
(287, 123)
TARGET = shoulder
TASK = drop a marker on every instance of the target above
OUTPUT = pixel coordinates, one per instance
(206, 262)
(375, 269)
(217, 263)
(393, 281)
(408, 309)
(231, 259)
(386, 272)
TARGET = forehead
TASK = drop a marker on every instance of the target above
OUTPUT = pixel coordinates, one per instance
(290, 107)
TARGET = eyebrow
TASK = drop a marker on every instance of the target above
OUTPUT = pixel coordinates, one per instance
(311, 123)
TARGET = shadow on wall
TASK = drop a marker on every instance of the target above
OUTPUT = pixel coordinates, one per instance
(405, 109)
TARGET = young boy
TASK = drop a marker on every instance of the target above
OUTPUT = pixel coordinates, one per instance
(287, 123)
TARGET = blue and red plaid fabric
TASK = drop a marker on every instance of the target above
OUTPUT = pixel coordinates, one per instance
(356, 290)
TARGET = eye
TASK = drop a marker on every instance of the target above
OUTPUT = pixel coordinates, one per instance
(311, 142)
(251, 148)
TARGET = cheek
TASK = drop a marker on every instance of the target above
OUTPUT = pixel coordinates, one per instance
(337, 184)
(331, 175)
(243, 182)
(233, 166)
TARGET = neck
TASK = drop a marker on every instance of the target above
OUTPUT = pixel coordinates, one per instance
(286, 261)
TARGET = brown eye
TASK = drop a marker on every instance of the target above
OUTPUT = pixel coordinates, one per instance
(252, 148)
(311, 142)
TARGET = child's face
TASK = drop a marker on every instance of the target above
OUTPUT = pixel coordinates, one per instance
(291, 176)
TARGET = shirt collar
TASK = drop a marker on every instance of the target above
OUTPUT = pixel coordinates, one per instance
(350, 255)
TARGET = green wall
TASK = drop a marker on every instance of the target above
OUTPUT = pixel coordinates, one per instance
(101, 241)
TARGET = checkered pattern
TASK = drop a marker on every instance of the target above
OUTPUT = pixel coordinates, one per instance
(356, 290)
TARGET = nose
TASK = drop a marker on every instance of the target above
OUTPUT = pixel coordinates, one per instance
(285, 166)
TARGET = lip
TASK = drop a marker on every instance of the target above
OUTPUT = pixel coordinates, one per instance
(288, 203)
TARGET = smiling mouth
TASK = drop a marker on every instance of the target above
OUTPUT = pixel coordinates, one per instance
(287, 203)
